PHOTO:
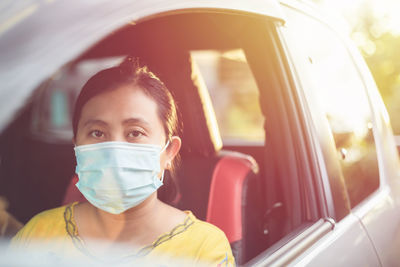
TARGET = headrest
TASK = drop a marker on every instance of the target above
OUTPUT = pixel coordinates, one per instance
(200, 134)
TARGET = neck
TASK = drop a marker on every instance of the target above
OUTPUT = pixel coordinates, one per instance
(131, 222)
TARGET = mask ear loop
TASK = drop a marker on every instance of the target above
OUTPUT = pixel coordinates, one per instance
(162, 150)
(165, 147)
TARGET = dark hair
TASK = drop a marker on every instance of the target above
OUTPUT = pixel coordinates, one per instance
(129, 72)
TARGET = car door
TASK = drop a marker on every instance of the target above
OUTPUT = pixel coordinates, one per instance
(340, 119)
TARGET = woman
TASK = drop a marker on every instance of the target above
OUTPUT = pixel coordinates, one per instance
(125, 135)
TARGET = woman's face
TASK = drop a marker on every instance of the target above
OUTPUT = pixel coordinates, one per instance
(125, 114)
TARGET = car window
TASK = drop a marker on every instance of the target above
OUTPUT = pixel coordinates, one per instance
(332, 81)
(234, 94)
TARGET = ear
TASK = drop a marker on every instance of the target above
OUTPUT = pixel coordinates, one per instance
(172, 150)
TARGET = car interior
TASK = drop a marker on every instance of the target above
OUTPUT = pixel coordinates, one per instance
(244, 188)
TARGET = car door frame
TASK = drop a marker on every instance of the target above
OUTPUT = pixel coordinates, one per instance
(292, 245)
(316, 245)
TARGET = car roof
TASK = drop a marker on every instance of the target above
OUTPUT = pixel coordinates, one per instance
(38, 37)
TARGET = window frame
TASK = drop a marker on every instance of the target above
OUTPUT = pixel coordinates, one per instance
(298, 129)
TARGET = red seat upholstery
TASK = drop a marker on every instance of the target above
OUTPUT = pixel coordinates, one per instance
(224, 191)
(226, 194)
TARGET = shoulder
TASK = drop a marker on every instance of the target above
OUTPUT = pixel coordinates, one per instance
(215, 247)
(49, 217)
(207, 230)
(50, 214)
(47, 224)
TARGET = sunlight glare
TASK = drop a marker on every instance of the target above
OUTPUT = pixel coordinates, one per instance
(384, 10)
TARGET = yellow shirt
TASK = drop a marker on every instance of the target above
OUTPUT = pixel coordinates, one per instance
(192, 242)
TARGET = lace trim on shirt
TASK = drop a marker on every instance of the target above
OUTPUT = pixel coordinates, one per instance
(77, 241)
(180, 228)
(71, 228)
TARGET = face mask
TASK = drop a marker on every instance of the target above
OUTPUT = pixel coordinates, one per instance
(116, 176)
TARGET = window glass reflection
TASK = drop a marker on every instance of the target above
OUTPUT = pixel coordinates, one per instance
(339, 91)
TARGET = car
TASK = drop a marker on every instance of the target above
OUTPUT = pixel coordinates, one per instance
(287, 145)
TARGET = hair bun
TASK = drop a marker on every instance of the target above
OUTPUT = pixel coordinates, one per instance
(129, 65)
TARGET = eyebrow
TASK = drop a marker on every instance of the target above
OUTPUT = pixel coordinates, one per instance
(127, 121)
(94, 121)
(136, 121)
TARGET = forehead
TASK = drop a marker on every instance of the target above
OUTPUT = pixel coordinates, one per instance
(122, 103)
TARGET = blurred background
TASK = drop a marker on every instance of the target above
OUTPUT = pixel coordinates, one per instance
(375, 28)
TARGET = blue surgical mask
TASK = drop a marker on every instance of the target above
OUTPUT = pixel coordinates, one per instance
(116, 176)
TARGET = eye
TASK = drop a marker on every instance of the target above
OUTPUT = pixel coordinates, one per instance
(97, 134)
(135, 134)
